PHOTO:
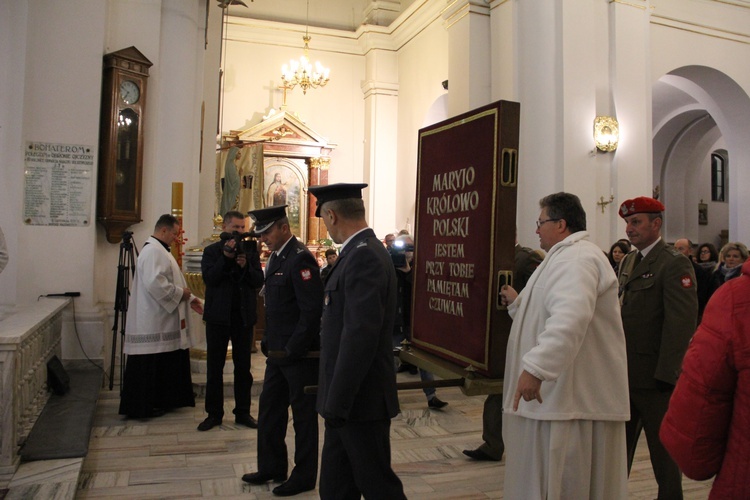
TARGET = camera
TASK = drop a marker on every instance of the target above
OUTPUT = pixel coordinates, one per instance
(398, 252)
(244, 242)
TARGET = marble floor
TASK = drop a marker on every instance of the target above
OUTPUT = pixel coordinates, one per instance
(167, 457)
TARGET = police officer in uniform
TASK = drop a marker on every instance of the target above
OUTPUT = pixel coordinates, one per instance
(659, 310)
(357, 383)
(293, 295)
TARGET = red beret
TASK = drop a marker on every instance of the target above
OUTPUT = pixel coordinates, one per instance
(640, 205)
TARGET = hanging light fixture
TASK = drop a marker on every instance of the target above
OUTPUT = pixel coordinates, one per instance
(300, 72)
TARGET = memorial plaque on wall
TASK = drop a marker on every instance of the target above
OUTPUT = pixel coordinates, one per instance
(465, 236)
(58, 183)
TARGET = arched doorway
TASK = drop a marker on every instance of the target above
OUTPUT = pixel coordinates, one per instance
(698, 111)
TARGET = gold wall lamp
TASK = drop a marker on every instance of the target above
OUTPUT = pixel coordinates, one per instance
(606, 133)
(603, 203)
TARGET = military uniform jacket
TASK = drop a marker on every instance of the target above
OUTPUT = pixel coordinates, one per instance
(294, 302)
(357, 381)
(224, 278)
(659, 309)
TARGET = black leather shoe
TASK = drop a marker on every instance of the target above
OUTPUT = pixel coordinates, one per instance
(404, 367)
(261, 477)
(209, 423)
(436, 404)
(246, 420)
(478, 454)
(288, 489)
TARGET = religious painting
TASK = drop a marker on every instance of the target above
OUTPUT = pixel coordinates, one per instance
(702, 213)
(239, 179)
(284, 183)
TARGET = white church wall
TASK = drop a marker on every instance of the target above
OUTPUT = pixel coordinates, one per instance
(718, 36)
(60, 96)
(539, 79)
(718, 211)
(585, 94)
(170, 33)
(336, 111)
(420, 85)
(13, 35)
(698, 185)
(681, 171)
(53, 79)
(555, 59)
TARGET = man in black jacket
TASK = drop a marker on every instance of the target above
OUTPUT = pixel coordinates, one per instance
(493, 447)
(232, 274)
(293, 295)
(357, 383)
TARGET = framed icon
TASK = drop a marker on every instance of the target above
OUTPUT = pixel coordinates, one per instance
(702, 213)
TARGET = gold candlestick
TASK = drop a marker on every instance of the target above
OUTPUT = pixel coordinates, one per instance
(176, 247)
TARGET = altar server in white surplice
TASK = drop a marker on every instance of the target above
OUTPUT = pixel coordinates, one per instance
(157, 373)
(565, 391)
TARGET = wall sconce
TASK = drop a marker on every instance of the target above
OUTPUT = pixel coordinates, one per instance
(606, 133)
(603, 203)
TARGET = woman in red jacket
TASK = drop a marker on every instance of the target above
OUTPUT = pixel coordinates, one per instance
(707, 426)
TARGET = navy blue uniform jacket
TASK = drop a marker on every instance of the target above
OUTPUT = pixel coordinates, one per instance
(294, 302)
(357, 381)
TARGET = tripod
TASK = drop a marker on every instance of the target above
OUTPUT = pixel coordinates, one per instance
(125, 263)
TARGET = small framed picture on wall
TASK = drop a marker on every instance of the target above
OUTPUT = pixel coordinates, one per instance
(702, 213)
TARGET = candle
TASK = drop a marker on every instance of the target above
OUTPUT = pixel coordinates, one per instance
(177, 196)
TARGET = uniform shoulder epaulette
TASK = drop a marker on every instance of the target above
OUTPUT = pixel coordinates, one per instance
(362, 243)
(300, 250)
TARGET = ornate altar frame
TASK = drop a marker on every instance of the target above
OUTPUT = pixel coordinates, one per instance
(289, 145)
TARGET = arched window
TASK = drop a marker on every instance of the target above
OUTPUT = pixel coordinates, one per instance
(718, 177)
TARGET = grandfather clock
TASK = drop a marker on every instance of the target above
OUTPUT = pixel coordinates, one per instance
(121, 141)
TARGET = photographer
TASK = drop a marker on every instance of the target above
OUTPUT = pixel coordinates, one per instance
(402, 254)
(231, 270)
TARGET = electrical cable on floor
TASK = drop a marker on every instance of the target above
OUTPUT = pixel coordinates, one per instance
(72, 296)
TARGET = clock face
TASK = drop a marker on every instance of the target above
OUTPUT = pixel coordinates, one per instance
(129, 92)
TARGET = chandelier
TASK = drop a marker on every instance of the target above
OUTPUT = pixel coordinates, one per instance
(301, 72)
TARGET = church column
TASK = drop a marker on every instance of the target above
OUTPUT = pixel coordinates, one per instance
(318, 176)
(469, 66)
(631, 90)
(175, 114)
(380, 152)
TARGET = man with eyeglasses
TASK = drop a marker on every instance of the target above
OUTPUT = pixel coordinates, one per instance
(565, 385)
(659, 311)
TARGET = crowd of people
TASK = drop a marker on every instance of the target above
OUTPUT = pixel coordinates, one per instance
(595, 354)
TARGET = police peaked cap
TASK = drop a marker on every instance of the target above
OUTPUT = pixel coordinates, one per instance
(338, 191)
(640, 205)
(264, 218)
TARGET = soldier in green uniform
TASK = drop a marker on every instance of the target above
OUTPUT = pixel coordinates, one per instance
(659, 310)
